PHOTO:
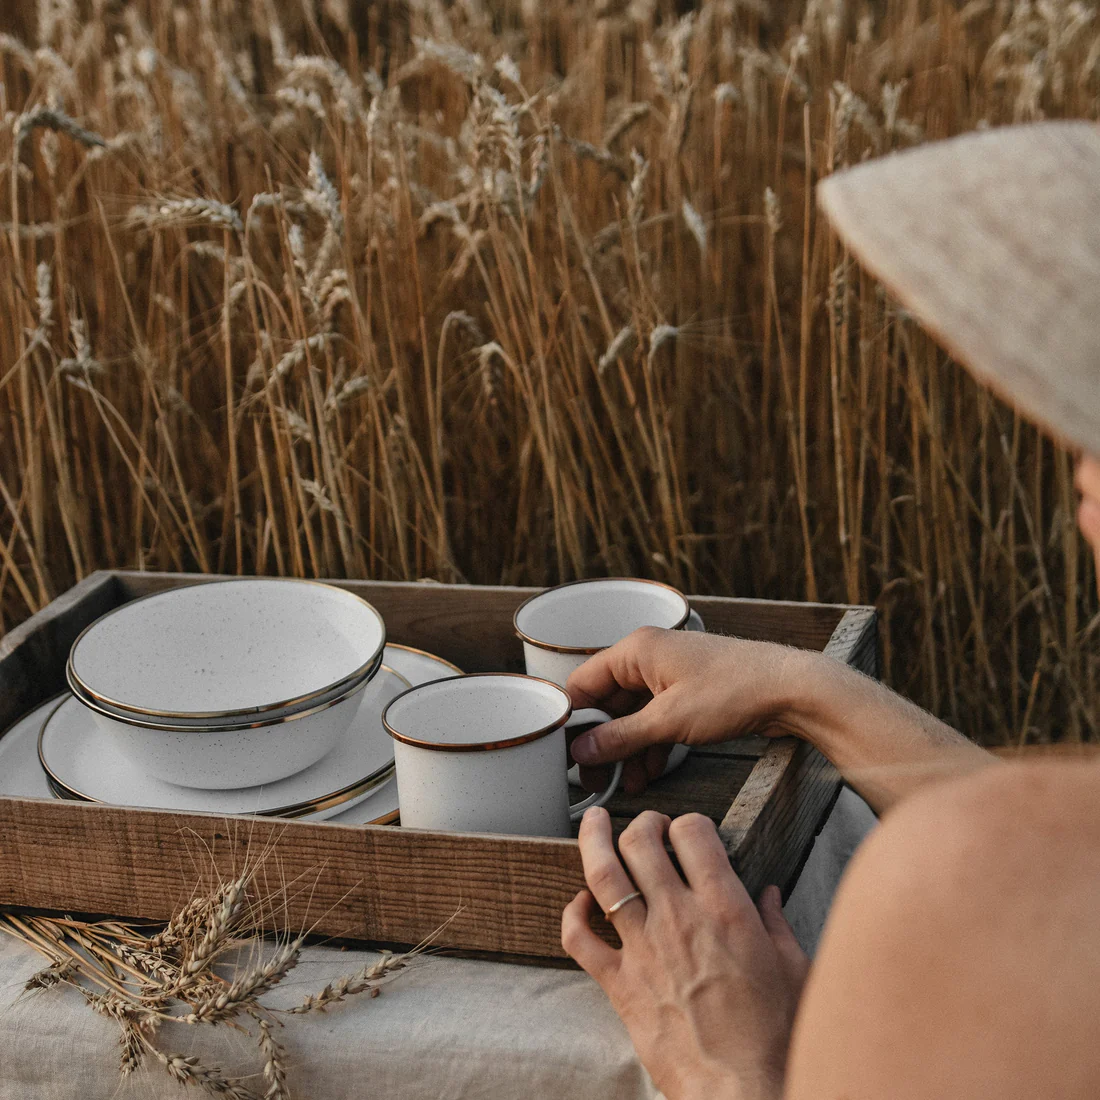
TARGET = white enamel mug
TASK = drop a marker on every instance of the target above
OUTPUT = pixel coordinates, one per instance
(563, 626)
(486, 753)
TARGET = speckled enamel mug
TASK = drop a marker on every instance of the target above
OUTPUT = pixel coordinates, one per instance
(564, 626)
(487, 754)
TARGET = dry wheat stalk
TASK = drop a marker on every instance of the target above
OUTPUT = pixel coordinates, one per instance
(50, 976)
(274, 1064)
(210, 1079)
(369, 980)
(181, 212)
(55, 121)
(593, 171)
(248, 988)
(221, 919)
(138, 980)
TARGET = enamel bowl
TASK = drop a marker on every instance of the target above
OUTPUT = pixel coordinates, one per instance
(83, 762)
(227, 651)
(231, 683)
(217, 757)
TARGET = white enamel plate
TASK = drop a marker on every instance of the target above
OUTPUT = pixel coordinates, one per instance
(417, 666)
(21, 773)
(83, 764)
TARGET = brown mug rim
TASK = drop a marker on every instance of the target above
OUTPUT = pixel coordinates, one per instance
(588, 651)
(477, 746)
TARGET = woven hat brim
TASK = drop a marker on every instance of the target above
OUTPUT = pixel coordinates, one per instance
(992, 241)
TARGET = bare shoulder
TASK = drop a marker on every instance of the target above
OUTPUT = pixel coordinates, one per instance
(1011, 827)
(962, 956)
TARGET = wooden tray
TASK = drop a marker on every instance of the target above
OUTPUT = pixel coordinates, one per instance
(500, 894)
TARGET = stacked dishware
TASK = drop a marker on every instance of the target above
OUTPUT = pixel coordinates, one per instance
(242, 696)
(229, 684)
(283, 698)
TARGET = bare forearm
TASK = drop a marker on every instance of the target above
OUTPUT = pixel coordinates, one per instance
(883, 745)
(705, 689)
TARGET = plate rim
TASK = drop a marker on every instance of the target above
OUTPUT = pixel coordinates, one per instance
(426, 653)
(370, 782)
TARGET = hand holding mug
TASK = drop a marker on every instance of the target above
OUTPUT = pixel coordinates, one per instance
(676, 687)
(563, 627)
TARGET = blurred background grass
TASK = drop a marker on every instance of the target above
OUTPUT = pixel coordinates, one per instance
(519, 292)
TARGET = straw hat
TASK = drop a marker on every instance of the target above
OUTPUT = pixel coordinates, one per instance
(992, 241)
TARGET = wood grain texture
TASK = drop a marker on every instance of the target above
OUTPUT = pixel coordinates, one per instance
(787, 798)
(393, 885)
(992, 241)
(472, 624)
(33, 655)
(706, 783)
(502, 894)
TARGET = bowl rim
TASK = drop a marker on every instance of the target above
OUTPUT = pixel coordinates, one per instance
(87, 693)
(588, 651)
(240, 724)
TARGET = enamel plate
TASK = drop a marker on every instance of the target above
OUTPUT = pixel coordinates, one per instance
(417, 666)
(21, 774)
(83, 764)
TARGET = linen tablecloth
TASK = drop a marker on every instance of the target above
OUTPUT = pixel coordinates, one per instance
(449, 1028)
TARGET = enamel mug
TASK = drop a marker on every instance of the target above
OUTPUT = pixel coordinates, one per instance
(563, 626)
(486, 753)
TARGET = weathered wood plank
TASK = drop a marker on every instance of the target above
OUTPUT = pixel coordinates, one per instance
(705, 784)
(855, 640)
(33, 655)
(472, 624)
(776, 846)
(785, 801)
(366, 882)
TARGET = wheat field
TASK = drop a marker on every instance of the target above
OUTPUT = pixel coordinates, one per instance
(516, 292)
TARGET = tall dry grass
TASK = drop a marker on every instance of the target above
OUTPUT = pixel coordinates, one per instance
(519, 291)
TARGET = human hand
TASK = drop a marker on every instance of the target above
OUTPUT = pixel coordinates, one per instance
(669, 686)
(706, 984)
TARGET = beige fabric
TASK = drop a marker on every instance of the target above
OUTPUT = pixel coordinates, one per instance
(451, 1029)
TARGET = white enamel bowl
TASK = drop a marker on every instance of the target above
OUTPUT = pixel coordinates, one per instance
(230, 650)
(223, 758)
(232, 683)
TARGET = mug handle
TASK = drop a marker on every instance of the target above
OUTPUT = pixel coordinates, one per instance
(587, 717)
(695, 622)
